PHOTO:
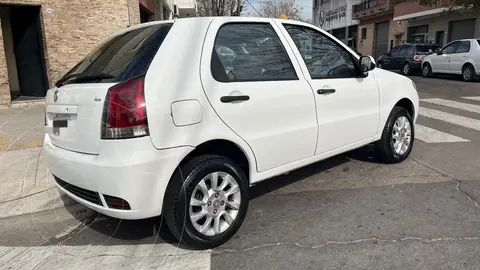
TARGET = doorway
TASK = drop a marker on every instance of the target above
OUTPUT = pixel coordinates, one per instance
(439, 36)
(24, 52)
(381, 36)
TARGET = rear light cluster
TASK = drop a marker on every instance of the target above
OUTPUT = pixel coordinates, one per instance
(125, 114)
(418, 57)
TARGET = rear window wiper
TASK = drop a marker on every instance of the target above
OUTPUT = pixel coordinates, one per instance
(82, 77)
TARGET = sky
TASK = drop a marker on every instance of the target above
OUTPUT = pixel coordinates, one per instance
(305, 4)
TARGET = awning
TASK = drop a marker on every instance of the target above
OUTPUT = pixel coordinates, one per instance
(419, 14)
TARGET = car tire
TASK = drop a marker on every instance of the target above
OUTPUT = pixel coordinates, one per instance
(189, 187)
(399, 130)
(380, 65)
(406, 69)
(426, 70)
(468, 73)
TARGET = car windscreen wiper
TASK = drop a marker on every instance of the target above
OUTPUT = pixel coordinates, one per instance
(83, 77)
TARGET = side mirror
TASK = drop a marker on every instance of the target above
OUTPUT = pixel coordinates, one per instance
(367, 63)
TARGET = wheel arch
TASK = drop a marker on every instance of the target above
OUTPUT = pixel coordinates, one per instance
(468, 63)
(407, 104)
(225, 148)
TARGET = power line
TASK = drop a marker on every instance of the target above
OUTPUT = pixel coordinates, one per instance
(253, 8)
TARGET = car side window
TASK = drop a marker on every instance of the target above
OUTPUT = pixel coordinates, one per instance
(395, 50)
(324, 58)
(250, 52)
(451, 48)
(463, 47)
(405, 50)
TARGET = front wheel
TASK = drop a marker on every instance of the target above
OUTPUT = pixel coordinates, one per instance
(206, 201)
(426, 70)
(397, 138)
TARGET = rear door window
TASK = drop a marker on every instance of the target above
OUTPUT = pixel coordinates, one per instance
(125, 56)
(250, 52)
(405, 50)
(463, 47)
(426, 49)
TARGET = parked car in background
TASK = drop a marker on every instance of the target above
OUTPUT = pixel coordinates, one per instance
(407, 58)
(460, 57)
(137, 130)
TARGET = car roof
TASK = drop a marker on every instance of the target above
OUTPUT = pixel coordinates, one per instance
(194, 20)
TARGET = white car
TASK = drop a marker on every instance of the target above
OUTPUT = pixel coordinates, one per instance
(150, 123)
(461, 57)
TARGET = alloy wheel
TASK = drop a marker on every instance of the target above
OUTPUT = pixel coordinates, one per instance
(401, 135)
(215, 203)
(467, 74)
(406, 69)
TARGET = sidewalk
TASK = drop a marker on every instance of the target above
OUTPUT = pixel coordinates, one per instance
(26, 185)
(21, 128)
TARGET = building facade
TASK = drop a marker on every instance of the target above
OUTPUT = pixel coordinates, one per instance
(335, 16)
(378, 33)
(436, 24)
(40, 40)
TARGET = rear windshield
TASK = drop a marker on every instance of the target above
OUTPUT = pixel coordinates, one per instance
(427, 48)
(126, 56)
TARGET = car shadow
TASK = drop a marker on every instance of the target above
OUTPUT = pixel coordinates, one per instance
(98, 229)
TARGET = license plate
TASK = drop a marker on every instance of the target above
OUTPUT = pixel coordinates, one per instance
(60, 123)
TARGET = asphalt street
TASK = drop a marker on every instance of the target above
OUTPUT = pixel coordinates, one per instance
(348, 212)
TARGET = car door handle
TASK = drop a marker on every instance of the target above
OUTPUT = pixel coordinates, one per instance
(228, 99)
(325, 91)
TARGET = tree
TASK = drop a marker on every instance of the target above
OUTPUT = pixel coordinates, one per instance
(275, 8)
(451, 5)
(219, 7)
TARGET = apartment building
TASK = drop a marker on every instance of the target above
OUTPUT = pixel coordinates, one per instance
(436, 24)
(335, 16)
(40, 40)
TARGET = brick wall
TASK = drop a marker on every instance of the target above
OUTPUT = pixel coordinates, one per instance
(4, 89)
(71, 29)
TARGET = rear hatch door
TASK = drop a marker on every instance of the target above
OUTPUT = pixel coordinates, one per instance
(75, 106)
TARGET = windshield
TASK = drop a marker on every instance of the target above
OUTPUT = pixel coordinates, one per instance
(124, 57)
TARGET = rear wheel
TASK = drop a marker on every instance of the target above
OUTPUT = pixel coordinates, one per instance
(468, 73)
(426, 70)
(206, 201)
(397, 138)
(406, 69)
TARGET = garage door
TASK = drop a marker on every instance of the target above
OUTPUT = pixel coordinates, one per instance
(461, 29)
(381, 42)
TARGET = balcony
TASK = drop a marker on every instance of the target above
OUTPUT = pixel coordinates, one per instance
(372, 8)
(186, 8)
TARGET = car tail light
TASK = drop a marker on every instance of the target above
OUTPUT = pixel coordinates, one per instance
(125, 114)
(418, 57)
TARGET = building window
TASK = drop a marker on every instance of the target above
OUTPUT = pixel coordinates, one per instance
(417, 34)
(364, 33)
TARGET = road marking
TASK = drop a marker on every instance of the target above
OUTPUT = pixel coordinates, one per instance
(453, 104)
(451, 118)
(472, 98)
(146, 256)
(430, 135)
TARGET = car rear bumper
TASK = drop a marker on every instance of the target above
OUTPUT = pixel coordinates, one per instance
(129, 170)
(416, 66)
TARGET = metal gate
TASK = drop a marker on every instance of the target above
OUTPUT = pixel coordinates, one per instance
(461, 29)
(381, 38)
